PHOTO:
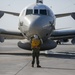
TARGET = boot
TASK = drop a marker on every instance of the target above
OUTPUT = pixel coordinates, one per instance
(38, 66)
(32, 65)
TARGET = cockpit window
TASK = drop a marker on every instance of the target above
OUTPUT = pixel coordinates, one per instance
(43, 12)
(36, 11)
(29, 11)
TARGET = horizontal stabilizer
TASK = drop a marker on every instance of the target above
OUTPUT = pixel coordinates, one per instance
(72, 14)
(8, 12)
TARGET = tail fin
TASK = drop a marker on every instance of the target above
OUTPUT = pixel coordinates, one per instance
(39, 1)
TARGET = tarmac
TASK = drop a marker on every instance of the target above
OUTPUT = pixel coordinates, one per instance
(16, 61)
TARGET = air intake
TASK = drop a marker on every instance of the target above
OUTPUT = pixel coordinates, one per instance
(39, 1)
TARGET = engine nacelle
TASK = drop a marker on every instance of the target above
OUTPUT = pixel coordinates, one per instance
(73, 41)
(1, 14)
(49, 44)
(1, 39)
(64, 40)
(73, 15)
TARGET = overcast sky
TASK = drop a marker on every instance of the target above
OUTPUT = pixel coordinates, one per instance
(58, 6)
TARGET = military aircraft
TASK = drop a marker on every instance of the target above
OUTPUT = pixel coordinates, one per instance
(37, 19)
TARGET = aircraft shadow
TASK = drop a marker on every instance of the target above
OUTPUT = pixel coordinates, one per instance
(65, 44)
(57, 68)
(62, 56)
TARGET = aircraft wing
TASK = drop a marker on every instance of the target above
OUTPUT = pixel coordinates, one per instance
(62, 34)
(7, 12)
(65, 14)
(10, 34)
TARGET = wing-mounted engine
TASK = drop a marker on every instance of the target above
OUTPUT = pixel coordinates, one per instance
(1, 14)
(1, 39)
(49, 44)
(73, 41)
(73, 15)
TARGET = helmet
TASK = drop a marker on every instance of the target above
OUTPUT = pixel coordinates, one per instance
(36, 36)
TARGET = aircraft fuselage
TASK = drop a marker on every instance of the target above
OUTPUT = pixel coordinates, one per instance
(37, 19)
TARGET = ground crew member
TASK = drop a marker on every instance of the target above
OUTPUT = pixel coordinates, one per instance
(35, 45)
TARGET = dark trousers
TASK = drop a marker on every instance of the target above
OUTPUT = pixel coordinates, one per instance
(35, 54)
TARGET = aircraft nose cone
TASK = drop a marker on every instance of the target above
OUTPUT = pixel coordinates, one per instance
(35, 27)
(38, 23)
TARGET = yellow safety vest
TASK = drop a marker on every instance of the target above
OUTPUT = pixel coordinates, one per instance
(35, 43)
